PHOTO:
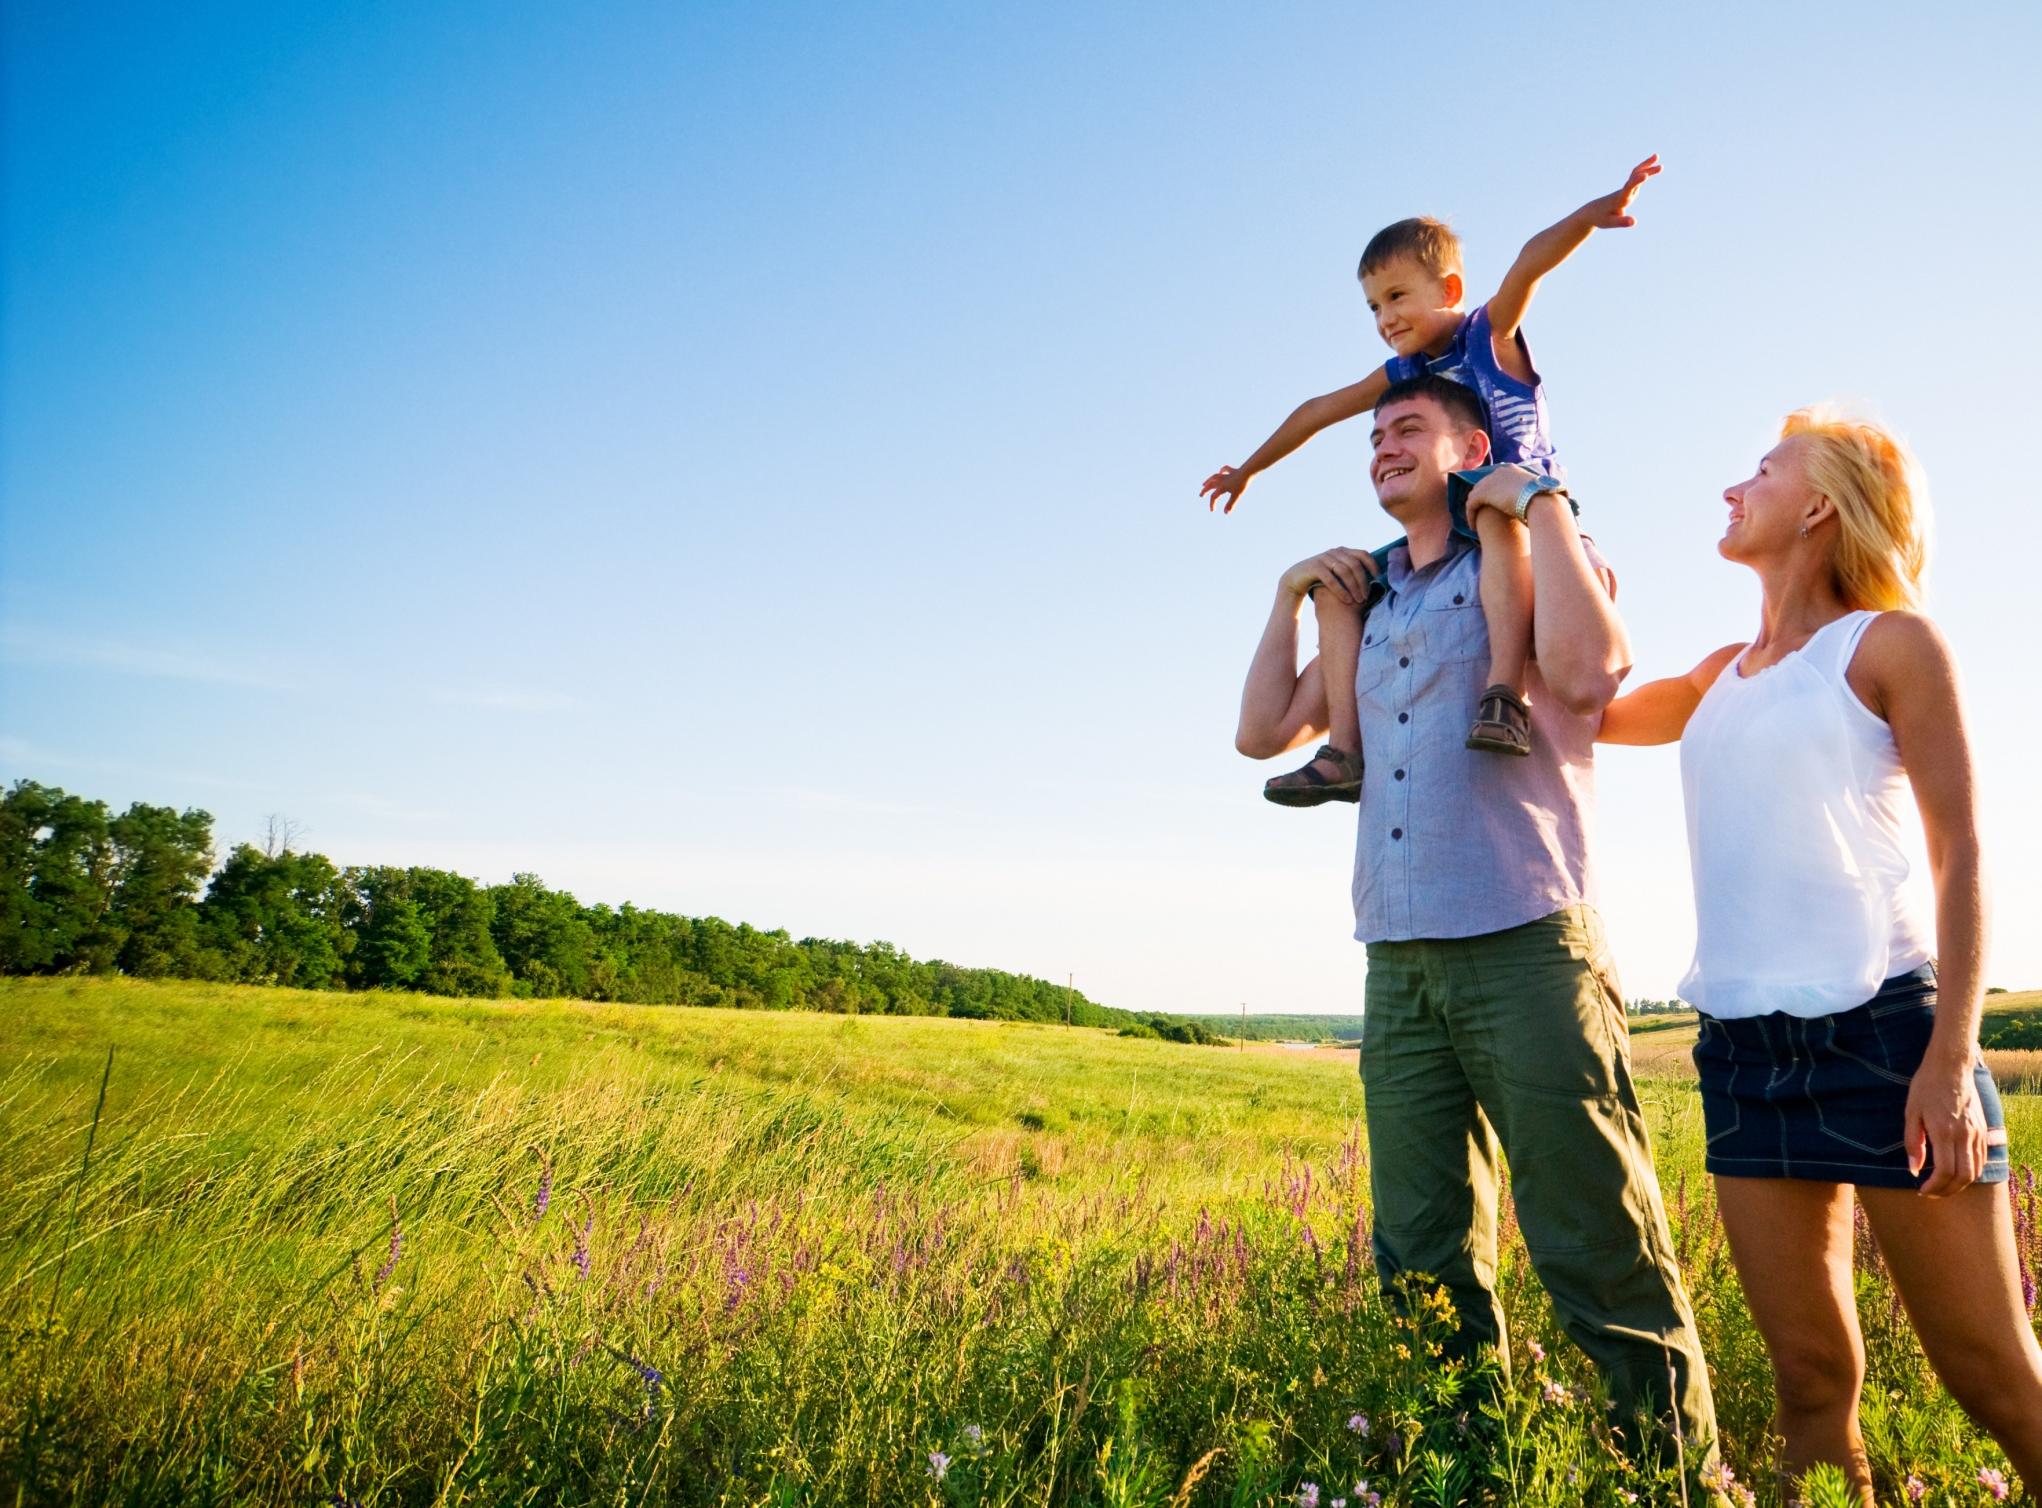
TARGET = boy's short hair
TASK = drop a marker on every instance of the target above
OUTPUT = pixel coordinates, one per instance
(1428, 242)
(1461, 402)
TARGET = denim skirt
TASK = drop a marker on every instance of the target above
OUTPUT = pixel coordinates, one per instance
(1825, 1097)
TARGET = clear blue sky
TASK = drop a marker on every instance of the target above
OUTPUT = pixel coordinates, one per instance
(744, 459)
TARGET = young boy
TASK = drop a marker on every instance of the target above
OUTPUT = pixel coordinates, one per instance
(1411, 275)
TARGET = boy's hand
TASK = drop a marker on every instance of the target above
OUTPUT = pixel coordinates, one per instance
(1498, 490)
(1613, 211)
(1228, 482)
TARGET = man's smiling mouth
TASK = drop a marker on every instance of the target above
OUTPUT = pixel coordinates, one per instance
(1396, 471)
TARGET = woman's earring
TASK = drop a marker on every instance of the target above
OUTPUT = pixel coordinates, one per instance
(1804, 531)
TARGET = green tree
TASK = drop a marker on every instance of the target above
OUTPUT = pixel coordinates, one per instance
(393, 942)
(422, 929)
(57, 856)
(276, 918)
(543, 938)
(161, 860)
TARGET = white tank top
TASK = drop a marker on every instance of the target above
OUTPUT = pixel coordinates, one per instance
(1796, 803)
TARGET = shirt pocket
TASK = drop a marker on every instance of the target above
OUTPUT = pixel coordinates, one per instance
(1378, 655)
(1452, 627)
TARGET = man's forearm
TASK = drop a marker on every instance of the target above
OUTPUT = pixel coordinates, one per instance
(1272, 682)
(1583, 651)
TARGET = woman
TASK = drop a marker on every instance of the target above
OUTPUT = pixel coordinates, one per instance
(1835, 1057)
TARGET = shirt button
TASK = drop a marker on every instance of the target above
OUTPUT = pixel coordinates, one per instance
(1400, 774)
(1403, 717)
(1403, 659)
(1396, 832)
(1459, 599)
(1366, 639)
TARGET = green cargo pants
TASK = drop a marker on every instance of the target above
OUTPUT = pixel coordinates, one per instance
(1518, 1036)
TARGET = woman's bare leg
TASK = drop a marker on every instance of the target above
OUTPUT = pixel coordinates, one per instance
(1954, 1263)
(1791, 1240)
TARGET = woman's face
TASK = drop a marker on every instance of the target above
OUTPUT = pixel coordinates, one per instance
(1768, 508)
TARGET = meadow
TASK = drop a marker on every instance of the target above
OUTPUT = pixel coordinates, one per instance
(389, 1248)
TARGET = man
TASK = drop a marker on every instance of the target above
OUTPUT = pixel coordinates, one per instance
(1492, 1008)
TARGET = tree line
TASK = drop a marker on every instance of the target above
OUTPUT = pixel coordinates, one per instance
(83, 890)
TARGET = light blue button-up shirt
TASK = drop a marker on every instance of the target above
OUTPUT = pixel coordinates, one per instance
(1456, 842)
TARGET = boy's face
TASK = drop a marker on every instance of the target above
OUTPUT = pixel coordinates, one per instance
(1415, 311)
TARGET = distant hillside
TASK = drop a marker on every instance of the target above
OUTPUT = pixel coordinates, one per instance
(2013, 1019)
(83, 891)
(1277, 1028)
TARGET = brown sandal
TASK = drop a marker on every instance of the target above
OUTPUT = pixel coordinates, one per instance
(1502, 723)
(1307, 787)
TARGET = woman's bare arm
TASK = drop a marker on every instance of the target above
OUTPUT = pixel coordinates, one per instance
(1657, 712)
(1904, 672)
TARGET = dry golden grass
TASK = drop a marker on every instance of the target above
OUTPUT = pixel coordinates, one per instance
(2016, 1070)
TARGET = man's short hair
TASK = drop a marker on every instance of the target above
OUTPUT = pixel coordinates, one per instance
(1428, 242)
(1461, 403)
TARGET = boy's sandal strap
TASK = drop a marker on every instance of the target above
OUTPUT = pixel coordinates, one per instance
(1308, 778)
(1502, 723)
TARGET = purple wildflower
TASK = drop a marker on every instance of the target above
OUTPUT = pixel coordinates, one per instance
(581, 1234)
(1994, 1482)
(396, 1250)
(1917, 1489)
(1308, 1495)
(975, 1436)
(1553, 1392)
(545, 1195)
(1538, 1352)
(1357, 1424)
(939, 1464)
(649, 1374)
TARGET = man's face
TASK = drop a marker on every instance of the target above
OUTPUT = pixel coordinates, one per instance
(1416, 444)
(1415, 312)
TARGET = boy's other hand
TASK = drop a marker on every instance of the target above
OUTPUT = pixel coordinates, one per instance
(1228, 482)
(1498, 490)
(1613, 211)
(1344, 572)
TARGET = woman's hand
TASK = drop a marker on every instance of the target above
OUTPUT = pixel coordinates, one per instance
(1945, 1119)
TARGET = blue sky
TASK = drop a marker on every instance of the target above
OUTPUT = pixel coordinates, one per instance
(743, 460)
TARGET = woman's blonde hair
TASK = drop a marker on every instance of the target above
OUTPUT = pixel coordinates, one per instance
(1882, 506)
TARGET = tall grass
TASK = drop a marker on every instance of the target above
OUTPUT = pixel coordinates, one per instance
(385, 1249)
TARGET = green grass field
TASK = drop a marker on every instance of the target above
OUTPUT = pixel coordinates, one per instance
(389, 1248)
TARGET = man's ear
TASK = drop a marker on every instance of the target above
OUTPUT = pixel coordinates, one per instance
(1454, 289)
(1474, 448)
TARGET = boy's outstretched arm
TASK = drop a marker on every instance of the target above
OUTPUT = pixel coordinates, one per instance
(1547, 250)
(1306, 420)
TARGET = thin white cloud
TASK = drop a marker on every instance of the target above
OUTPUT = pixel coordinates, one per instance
(504, 699)
(18, 755)
(23, 646)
